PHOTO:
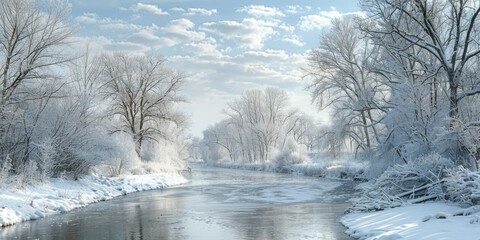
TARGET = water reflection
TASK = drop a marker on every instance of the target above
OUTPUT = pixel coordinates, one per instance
(208, 208)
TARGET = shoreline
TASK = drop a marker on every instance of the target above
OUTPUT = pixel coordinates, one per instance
(431, 220)
(57, 196)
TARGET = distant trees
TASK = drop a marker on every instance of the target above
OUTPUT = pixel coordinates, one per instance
(142, 93)
(258, 126)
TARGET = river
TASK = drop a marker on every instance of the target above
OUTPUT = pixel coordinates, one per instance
(221, 204)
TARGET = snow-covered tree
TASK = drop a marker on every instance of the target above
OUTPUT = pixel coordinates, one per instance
(430, 63)
(142, 93)
(32, 35)
(259, 126)
(344, 81)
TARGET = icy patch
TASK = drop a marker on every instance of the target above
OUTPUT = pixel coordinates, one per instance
(59, 196)
(285, 193)
(419, 221)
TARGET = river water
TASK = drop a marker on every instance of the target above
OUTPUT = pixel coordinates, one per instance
(221, 204)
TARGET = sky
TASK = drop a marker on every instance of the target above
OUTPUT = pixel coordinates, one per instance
(225, 47)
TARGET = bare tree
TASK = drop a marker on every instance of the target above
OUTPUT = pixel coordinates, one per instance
(142, 92)
(446, 30)
(262, 115)
(343, 79)
(258, 124)
(434, 51)
(31, 35)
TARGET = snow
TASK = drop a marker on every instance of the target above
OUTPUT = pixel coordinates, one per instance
(60, 195)
(436, 220)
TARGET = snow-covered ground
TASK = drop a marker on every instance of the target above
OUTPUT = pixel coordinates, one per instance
(59, 195)
(419, 221)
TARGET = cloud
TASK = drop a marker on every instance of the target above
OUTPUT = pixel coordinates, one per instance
(106, 23)
(323, 19)
(207, 48)
(249, 33)
(200, 11)
(318, 21)
(178, 31)
(100, 44)
(148, 8)
(195, 11)
(262, 11)
(293, 9)
(87, 18)
(177, 9)
(294, 39)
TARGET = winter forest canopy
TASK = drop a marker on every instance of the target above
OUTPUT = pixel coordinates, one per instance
(400, 80)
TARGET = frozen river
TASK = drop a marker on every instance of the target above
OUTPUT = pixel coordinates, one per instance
(218, 204)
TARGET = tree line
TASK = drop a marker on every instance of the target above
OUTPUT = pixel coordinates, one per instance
(260, 127)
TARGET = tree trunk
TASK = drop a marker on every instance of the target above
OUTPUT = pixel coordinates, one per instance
(453, 100)
(365, 129)
(138, 145)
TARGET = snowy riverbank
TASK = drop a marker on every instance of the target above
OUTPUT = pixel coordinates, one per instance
(60, 195)
(436, 220)
(332, 169)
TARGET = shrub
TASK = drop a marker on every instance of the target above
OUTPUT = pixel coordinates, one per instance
(417, 181)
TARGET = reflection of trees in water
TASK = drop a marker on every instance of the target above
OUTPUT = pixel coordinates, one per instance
(261, 223)
(148, 216)
(138, 225)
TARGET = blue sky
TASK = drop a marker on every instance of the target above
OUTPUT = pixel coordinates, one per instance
(226, 47)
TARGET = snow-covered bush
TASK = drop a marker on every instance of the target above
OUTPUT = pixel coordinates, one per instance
(165, 156)
(293, 153)
(417, 181)
(463, 185)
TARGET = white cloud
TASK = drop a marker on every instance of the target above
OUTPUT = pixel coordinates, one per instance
(286, 27)
(294, 9)
(148, 8)
(262, 11)
(323, 19)
(318, 21)
(249, 33)
(294, 39)
(101, 44)
(177, 9)
(178, 31)
(183, 28)
(87, 18)
(106, 23)
(200, 11)
(207, 47)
